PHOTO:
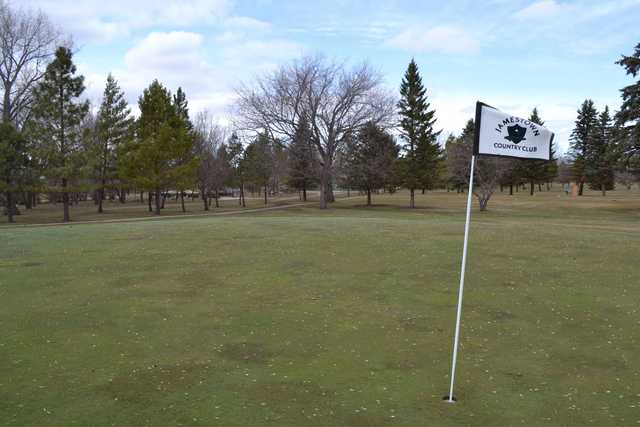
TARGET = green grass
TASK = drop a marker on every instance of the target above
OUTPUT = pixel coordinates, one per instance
(329, 318)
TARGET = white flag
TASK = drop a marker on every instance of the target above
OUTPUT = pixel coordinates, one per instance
(501, 134)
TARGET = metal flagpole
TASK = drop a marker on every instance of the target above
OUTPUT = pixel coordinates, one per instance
(450, 398)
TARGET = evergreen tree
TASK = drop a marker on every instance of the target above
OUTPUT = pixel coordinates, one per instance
(181, 107)
(532, 171)
(57, 117)
(236, 156)
(258, 163)
(113, 130)
(303, 165)
(13, 162)
(422, 153)
(371, 156)
(551, 167)
(585, 130)
(154, 159)
(628, 117)
(601, 155)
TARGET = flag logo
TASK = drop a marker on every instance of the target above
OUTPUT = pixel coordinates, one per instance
(502, 134)
(516, 134)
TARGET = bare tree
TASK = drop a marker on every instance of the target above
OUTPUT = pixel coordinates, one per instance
(488, 170)
(208, 141)
(27, 42)
(335, 101)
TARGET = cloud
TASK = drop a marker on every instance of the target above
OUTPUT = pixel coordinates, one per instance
(551, 9)
(543, 9)
(103, 21)
(445, 39)
(181, 59)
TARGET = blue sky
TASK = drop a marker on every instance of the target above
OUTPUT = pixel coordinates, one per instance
(515, 55)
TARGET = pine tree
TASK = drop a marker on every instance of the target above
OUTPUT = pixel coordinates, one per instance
(181, 106)
(258, 163)
(114, 126)
(13, 162)
(628, 117)
(585, 130)
(57, 117)
(601, 155)
(370, 159)
(303, 165)
(532, 171)
(154, 159)
(422, 153)
(236, 156)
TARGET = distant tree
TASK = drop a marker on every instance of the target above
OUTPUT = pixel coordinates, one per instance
(208, 143)
(236, 156)
(57, 116)
(532, 171)
(334, 101)
(155, 159)
(28, 42)
(488, 170)
(303, 164)
(551, 167)
(188, 158)
(13, 161)
(258, 163)
(455, 159)
(600, 157)
(113, 129)
(371, 156)
(421, 152)
(565, 170)
(628, 117)
(586, 127)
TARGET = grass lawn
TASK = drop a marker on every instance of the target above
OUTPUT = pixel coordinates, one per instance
(328, 318)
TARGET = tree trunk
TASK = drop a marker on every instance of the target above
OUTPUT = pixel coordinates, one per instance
(511, 189)
(368, 197)
(324, 184)
(65, 200)
(122, 195)
(304, 192)
(182, 201)
(423, 190)
(101, 197)
(604, 189)
(265, 194)
(539, 187)
(149, 202)
(531, 188)
(9, 206)
(217, 198)
(204, 198)
(412, 200)
(158, 205)
(242, 201)
(581, 188)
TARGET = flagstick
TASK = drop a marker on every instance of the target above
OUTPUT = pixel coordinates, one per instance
(464, 262)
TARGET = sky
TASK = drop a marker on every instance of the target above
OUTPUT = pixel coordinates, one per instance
(514, 55)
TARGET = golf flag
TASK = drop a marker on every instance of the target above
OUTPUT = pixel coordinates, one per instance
(501, 134)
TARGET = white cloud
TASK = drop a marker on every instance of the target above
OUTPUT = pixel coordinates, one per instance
(543, 9)
(180, 59)
(565, 12)
(446, 39)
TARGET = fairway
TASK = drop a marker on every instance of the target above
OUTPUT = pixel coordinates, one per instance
(328, 318)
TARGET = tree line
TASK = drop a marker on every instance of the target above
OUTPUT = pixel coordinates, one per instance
(309, 125)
